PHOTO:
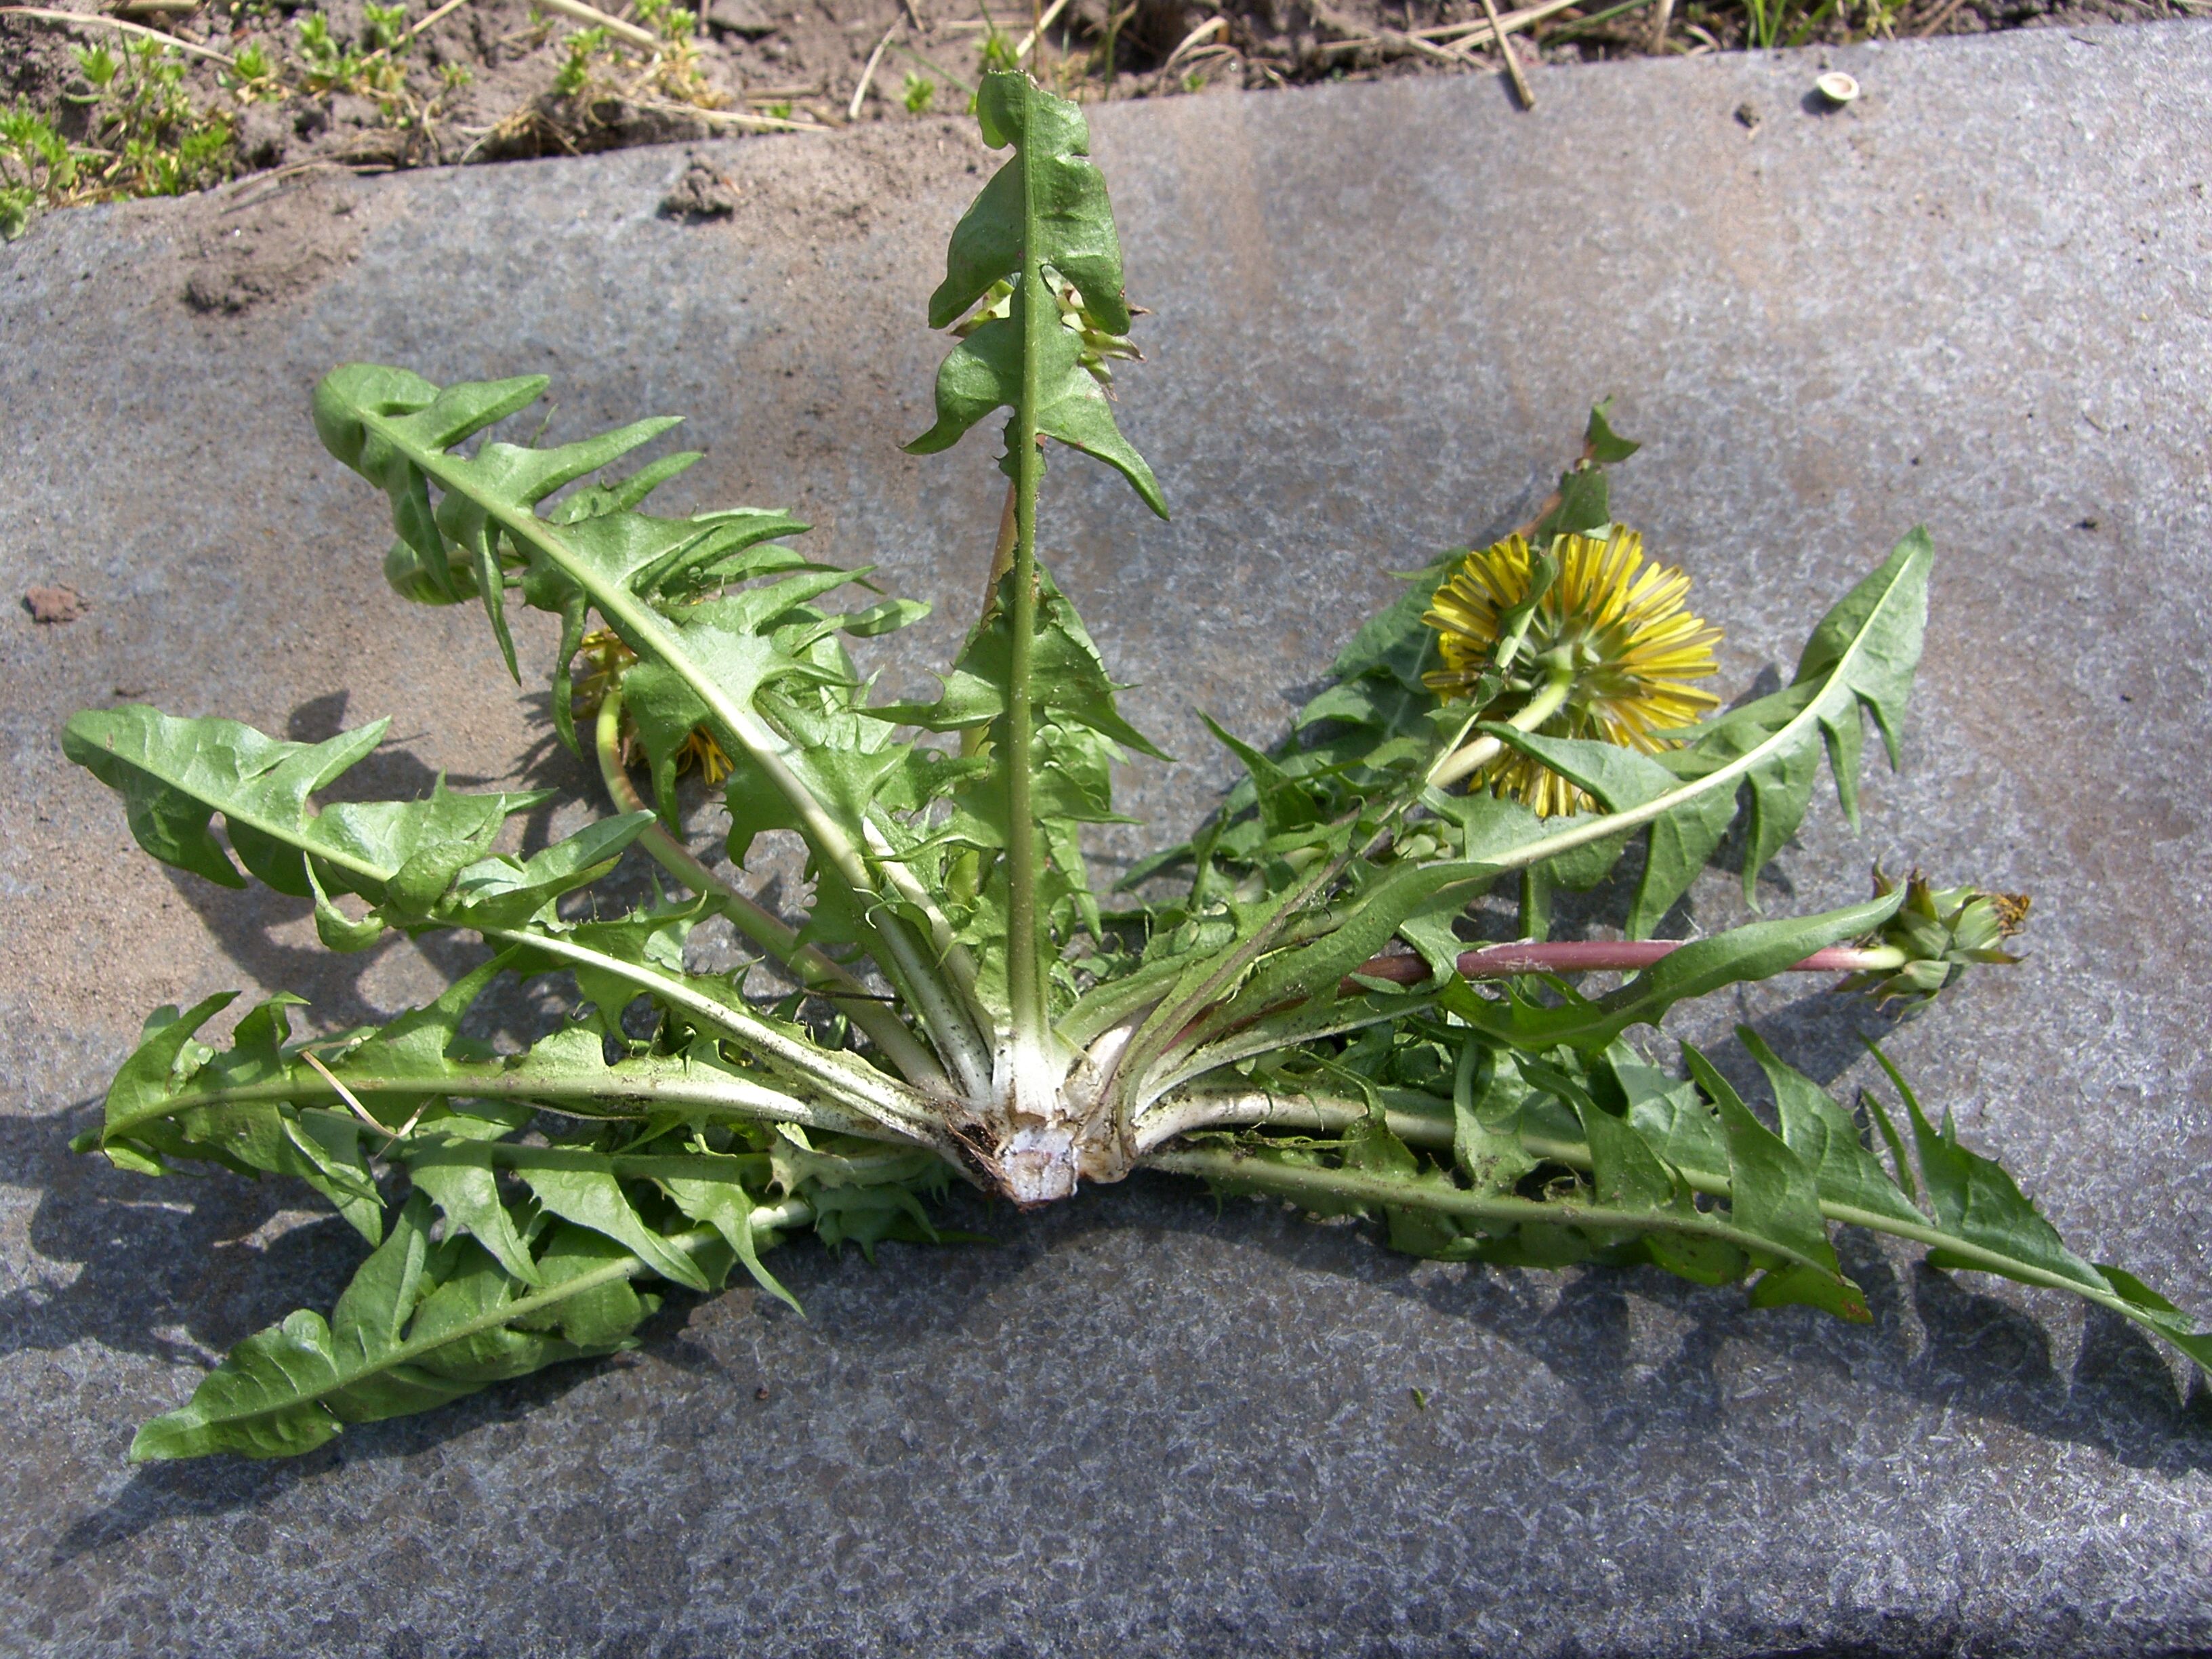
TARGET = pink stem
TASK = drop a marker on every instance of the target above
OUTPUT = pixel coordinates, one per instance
(1588, 956)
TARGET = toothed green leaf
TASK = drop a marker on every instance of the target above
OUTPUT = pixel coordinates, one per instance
(1978, 1203)
(420, 1325)
(175, 775)
(1823, 1135)
(1045, 208)
(1773, 1194)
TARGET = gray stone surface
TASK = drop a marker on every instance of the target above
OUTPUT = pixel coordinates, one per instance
(1977, 298)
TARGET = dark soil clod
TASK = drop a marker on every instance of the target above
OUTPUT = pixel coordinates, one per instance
(701, 194)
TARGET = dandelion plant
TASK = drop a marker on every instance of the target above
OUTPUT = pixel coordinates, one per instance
(1291, 1002)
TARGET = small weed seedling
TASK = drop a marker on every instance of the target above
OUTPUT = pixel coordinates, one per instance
(1301, 1014)
(147, 138)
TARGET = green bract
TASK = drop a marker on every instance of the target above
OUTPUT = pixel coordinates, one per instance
(1299, 1011)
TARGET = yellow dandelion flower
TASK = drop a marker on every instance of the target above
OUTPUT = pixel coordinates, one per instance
(604, 658)
(701, 749)
(1619, 623)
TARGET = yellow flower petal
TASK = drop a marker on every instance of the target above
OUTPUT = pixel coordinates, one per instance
(1623, 619)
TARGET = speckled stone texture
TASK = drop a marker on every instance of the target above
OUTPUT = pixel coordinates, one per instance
(1977, 298)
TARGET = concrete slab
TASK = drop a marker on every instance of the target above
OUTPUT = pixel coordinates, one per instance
(1980, 297)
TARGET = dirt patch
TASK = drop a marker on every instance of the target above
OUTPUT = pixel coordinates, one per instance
(269, 242)
(271, 84)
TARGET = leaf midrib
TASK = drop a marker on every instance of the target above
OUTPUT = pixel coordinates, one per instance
(1577, 1155)
(1377, 1189)
(742, 1103)
(876, 1095)
(620, 604)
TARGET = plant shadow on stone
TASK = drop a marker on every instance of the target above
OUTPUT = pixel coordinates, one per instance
(1976, 1353)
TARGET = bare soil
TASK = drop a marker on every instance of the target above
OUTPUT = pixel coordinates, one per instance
(484, 80)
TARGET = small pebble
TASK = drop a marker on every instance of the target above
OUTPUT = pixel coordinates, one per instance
(51, 605)
(1836, 87)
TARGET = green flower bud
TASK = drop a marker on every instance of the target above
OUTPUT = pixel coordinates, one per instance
(1940, 932)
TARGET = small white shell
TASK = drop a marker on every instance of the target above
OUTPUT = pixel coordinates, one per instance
(1836, 87)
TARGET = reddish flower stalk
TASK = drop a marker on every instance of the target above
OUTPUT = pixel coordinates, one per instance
(1593, 956)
